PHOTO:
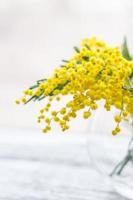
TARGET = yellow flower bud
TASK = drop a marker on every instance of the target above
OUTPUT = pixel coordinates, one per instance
(63, 111)
(118, 118)
(86, 114)
(56, 119)
(47, 120)
(17, 102)
(125, 113)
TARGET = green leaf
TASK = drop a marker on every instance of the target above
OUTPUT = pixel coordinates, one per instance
(125, 51)
(37, 84)
(62, 66)
(98, 76)
(66, 61)
(87, 47)
(32, 98)
(131, 75)
(86, 58)
(78, 62)
(33, 87)
(77, 49)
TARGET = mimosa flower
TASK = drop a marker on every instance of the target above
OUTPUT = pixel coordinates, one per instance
(95, 72)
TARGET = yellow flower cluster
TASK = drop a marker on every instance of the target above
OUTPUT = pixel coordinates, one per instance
(95, 72)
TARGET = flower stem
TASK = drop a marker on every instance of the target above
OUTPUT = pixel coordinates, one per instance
(128, 158)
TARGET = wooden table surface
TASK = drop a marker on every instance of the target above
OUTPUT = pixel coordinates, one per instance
(53, 167)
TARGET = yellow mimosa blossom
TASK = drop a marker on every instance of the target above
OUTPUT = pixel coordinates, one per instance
(95, 72)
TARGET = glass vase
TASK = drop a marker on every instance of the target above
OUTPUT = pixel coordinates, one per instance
(112, 156)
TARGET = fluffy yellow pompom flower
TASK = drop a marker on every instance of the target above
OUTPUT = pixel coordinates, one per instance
(86, 115)
(96, 72)
(118, 118)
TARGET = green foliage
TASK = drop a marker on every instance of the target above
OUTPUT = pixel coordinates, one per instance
(125, 50)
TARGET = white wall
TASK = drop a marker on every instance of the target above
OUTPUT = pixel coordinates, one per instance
(36, 34)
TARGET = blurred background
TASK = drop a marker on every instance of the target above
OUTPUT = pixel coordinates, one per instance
(35, 35)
